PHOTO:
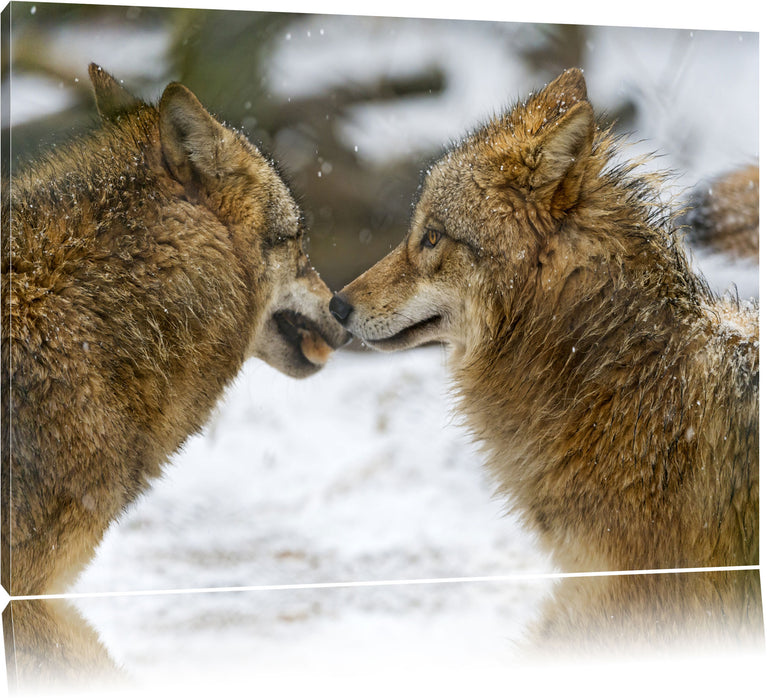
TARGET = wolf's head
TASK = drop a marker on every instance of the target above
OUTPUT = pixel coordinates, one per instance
(214, 167)
(480, 228)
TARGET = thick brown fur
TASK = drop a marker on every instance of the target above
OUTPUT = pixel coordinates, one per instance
(146, 261)
(615, 396)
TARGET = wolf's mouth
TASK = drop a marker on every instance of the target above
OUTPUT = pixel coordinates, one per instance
(416, 334)
(305, 336)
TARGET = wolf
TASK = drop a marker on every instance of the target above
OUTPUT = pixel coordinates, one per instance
(145, 262)
(614, 395)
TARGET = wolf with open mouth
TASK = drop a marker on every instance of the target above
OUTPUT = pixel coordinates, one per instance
(146, 261)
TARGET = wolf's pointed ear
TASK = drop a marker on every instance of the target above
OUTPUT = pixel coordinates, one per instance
(192, 140)
(564, 141)
(564, 145)
(112, 99)
(568, 87)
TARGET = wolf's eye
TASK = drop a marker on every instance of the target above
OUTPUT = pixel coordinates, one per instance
(431, 237)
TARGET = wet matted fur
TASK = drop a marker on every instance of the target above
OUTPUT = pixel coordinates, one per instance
(615, 395)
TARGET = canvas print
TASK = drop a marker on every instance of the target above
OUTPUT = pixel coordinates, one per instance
(319, 329)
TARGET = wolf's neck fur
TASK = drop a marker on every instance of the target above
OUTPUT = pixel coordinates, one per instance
(596, 401)
(117, 202)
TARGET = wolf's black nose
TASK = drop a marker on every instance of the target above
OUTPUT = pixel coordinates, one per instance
(340, 308)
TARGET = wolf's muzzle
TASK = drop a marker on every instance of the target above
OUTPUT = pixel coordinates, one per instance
(340, 308)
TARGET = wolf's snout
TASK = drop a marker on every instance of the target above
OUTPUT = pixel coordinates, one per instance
(340, 308)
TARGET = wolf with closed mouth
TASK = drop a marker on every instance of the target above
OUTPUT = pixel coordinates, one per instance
(615, 395)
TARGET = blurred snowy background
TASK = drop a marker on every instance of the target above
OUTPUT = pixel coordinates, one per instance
(362, 472)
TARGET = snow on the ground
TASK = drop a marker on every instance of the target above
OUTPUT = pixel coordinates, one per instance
(357, 474)
(200, 637)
